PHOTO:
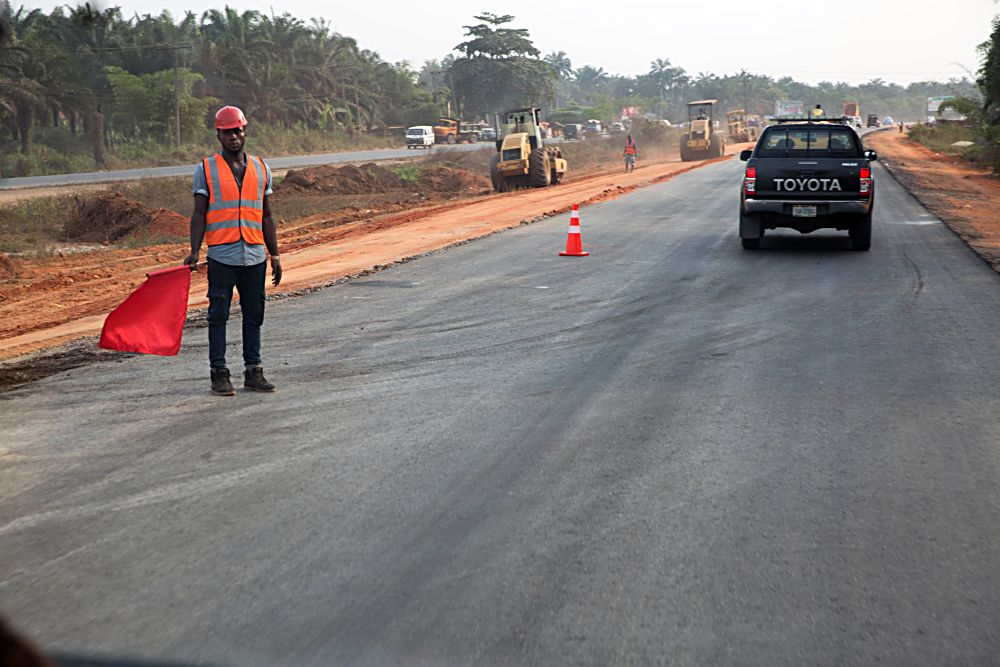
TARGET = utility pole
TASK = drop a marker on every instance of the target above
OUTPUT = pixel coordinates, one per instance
(746, 104)
(177, 102)
(454, 95)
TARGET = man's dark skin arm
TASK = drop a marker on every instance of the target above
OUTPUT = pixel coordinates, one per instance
(198, 224)
(271, 241)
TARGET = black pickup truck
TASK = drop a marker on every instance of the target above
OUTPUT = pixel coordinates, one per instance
(808, 174)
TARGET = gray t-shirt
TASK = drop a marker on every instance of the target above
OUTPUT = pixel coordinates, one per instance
(238, 253)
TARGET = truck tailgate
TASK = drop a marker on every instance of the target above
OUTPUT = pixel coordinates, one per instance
(809, 178)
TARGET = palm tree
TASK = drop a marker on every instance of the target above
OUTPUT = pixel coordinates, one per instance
(591, 80)
(560, 63)
(26, 69)
(563, 68)
(667, 78)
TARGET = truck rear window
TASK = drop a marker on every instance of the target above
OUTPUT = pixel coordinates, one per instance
(809, 142)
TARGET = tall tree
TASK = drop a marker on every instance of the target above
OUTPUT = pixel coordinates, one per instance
(989, 74)
(499, 69)
(560, 62)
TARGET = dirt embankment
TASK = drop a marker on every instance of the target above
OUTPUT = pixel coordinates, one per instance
(105, 217)
(963, 197)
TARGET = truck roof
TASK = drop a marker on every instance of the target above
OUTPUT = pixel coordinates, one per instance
(841, 120)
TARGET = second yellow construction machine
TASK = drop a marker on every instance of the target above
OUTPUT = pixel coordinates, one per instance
(702, 140)
(738, 129)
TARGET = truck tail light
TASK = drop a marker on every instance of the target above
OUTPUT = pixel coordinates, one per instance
(866, 181)
(750, 181)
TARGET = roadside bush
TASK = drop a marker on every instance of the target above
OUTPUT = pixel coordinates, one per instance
(941, 138)
(981, 126)
(24, 166)
(27, 224)
(61, 141)
(407, 172)
(652, 133)
(56, 151)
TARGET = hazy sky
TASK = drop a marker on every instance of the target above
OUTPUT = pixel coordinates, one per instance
(852, 40)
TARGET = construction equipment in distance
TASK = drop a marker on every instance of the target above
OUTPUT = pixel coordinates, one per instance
(455, 130)
(522, 161)
(702, 140)
(738, 128)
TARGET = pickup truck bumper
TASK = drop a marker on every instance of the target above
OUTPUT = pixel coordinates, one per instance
(826, 207)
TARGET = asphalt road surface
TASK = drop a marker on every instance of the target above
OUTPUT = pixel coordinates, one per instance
(293, 162)
(671, 451)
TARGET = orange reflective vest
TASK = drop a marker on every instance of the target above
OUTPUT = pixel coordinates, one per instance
(629, 148)
(235, 212)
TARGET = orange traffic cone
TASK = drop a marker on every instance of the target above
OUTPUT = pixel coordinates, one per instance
(574, 244)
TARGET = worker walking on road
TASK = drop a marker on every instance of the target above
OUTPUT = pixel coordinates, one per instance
(631, 153)
(232, 213)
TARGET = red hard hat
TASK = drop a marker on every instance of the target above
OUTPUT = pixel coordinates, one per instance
(227, 118)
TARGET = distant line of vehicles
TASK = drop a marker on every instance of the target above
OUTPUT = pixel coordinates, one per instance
(452, 131)
(448, 131)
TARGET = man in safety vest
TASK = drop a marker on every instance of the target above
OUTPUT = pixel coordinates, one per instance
(232, 214)
(630, 154)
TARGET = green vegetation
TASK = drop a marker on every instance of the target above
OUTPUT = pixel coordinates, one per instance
(499, 69)
(407, 172)
(590, 92)
(980, 109)
(941, 137)
(85, 88)
(32, 223)
(26, 226)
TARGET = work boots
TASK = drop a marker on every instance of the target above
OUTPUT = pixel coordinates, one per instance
(254, 380)
(220, 382)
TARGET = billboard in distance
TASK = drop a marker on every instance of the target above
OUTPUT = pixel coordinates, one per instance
(789, 108)
(934, 103)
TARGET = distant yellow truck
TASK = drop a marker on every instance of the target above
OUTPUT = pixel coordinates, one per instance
(454, 131)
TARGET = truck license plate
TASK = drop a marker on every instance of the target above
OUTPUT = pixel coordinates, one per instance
(803, 211)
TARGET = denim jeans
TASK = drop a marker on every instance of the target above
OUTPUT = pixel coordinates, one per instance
(249, 282)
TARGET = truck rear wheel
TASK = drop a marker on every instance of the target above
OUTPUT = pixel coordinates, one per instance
(861, 233)
(751, 231)
(539, 168)
(451, 138)
(685, 152)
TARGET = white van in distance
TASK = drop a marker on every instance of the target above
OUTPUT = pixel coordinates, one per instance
(420, 136)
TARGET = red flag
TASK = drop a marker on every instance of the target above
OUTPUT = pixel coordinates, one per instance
(151, 319)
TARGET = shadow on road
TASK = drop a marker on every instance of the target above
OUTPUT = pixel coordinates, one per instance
(801, 243)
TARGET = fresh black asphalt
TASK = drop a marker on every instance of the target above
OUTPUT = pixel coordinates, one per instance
(673, 451)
